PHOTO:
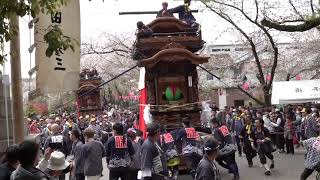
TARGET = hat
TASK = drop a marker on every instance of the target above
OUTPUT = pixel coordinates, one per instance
(57, 161)
(93, 120)
(57, 119)
(277, 110)
(211, 144)
(303, 110)
(81, 117)
(105, 116)
(153, 128)
(87, 116)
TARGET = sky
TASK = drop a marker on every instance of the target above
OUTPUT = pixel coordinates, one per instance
(98, 17)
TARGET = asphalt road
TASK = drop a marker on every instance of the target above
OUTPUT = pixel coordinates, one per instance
(287, 167)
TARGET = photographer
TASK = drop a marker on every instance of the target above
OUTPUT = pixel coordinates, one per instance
(54, 164)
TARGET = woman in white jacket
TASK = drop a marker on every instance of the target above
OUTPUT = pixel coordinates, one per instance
(270, 126)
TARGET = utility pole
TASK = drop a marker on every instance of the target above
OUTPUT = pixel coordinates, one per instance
(16, 83)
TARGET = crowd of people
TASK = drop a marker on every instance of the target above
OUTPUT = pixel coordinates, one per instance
(247, 131)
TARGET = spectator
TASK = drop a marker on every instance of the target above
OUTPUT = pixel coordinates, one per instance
(10, 162)
(76, 152)
(279, 129)
(54, 164)
(310, 124)
(33, 128)
(92, 152)
(312, 161)
(96, 127)
(29, 152)
(289, 134)
(56, 141)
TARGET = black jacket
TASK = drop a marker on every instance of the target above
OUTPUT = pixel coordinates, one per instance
(207, 170)
(29, 174)
(119, 152)
(5, 171)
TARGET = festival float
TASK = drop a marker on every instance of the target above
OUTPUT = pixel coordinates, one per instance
(169, 59)
(89, 93)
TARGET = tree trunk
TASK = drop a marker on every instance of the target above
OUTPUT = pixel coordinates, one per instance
(267, 98)
(19, 128)
(288, 77)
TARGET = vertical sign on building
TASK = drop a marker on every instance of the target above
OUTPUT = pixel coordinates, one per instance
(60, 72)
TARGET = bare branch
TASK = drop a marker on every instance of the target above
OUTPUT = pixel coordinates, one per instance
(307, 25)
(250, 96)
(295, 9)
(93, 51)
(257, 10)
(312, 7)
(275, 48)
(291, 21)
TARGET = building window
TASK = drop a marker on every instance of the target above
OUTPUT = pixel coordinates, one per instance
(239, 49)
(215, 50)
(209, 77)
(219, 50)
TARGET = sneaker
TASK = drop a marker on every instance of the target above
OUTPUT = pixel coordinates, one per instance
(267, 173)
(272, 166)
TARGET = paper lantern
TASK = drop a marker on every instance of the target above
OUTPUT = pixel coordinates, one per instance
(298, 77)
(245, 86)
(268, 77)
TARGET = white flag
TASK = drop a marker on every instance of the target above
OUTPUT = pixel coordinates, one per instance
(60, 72)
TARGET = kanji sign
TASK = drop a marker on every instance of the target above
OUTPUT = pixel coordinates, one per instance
(289, 92)
(120, 142)
(60, 72)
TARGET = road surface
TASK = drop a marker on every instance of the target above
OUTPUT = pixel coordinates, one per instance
(287, 167)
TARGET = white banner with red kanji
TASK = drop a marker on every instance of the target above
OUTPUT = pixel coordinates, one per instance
(60, 72)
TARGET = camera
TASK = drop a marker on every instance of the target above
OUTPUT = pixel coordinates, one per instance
(56, 142)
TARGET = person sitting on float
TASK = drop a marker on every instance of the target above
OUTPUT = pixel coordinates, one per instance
(185, 13)
(164, 11)
(143, 30)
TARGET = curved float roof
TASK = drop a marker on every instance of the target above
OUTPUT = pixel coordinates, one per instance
(167, 24)
(173, 55)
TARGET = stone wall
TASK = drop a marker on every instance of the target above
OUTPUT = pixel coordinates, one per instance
(4, 123)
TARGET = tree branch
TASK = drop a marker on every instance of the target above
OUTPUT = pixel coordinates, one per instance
(295, 9)
(250, 96)
(253, 46)
(307, 25)
(257, 10)
(312, 7)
